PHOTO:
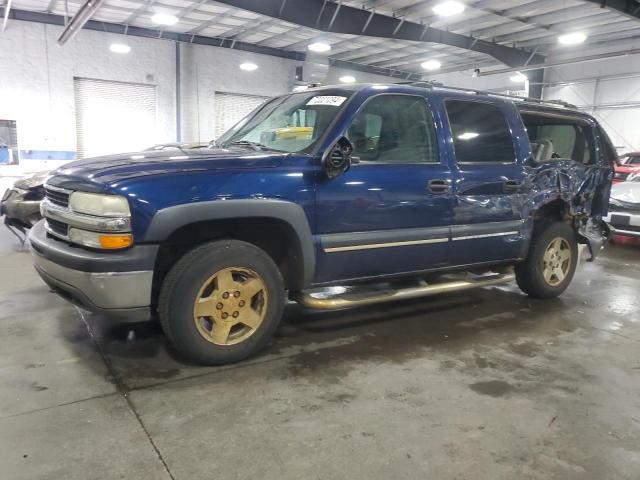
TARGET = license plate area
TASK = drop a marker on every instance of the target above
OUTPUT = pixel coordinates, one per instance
(620, 219)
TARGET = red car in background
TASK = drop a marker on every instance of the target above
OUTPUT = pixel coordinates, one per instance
(627, 164)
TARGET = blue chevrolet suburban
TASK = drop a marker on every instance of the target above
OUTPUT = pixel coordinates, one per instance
(333, 197)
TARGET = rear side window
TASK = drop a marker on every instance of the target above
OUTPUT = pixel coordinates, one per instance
(555, 137)
(480, 132)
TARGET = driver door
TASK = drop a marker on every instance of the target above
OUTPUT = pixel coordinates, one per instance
(390, 212)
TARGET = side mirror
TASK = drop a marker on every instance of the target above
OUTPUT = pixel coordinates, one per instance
(337, 159)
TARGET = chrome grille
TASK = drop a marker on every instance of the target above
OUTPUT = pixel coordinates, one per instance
(56, 227)
(57, 196)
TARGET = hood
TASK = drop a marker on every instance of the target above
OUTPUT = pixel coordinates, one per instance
(628, 192)
(113, 168)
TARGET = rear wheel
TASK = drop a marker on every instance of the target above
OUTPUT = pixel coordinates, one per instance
(221, 302)
(551, 263)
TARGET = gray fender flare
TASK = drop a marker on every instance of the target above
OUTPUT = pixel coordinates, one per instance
(168, 220)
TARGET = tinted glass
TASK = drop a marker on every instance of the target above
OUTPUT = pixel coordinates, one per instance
(558, 137)
(480, 133)
(394, 129)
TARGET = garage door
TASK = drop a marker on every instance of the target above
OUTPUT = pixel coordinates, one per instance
(114, 117)
(230, 108)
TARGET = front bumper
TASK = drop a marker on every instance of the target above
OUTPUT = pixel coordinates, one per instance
(117, 284)
(624, 223)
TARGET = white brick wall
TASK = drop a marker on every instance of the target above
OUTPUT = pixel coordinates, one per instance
(36, 83)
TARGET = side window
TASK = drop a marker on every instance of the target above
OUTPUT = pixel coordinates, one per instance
(480, 132)
(394, 129)
(559, 137)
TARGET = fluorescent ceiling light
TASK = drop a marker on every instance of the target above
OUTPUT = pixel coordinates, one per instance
(468, 135)
(449, 8)
(572, 38)
(519, 78)
(319, 47)
(431, 65)
(347, 79)
(119, 48)
(248, 66)
(164, 19)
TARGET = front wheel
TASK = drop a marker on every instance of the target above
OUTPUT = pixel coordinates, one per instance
(221, 302)
(551, 263)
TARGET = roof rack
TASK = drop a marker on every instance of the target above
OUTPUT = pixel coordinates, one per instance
(432, 84)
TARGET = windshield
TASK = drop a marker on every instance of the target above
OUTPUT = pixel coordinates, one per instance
(292, 123)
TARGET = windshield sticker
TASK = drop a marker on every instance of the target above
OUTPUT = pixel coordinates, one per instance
(332, 100)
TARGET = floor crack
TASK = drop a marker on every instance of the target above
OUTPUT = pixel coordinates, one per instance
(616, 333)
(124, 391)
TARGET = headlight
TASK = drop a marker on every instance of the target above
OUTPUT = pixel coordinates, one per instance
(614, 202)
(99, 205)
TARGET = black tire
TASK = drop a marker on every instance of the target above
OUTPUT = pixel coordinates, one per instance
(182, 286)
(530, 273)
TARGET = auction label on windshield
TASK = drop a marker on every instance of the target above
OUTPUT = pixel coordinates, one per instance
(332, 100)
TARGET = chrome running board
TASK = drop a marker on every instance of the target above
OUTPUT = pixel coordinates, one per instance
(325, 299)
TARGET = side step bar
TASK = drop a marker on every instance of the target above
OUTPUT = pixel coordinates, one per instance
(324, 300)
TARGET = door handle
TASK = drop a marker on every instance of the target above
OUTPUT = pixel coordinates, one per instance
(510, 186)
(438, 186)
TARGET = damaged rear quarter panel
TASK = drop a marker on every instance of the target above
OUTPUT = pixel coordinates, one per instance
(584, 189)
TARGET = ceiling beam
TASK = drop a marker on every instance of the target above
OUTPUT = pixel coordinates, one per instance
(105, 27)
(631, 8)
(332, 17)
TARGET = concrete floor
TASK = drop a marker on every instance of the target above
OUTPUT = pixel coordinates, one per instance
(486, 385)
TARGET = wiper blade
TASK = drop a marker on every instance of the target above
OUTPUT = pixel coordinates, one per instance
(247, 143)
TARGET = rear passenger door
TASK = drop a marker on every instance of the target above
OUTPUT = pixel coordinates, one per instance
(488, 221)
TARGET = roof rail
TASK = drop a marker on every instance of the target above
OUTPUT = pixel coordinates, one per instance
(432, 84)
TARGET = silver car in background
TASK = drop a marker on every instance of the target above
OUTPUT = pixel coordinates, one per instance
(624, 208)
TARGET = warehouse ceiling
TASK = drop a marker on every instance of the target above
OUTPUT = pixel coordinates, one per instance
(488, 32)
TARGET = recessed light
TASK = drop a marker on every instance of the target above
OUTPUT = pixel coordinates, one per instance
(248, 66)
(449, 8)
(319, 47)
(164, 19)
(119, 48)
(431, 65)
(519, 78)
(347, 79)
(574, 38)
(468, 135)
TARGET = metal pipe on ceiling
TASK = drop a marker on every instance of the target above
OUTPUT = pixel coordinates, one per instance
(79, 20)
(178, 95)
(582, 81)
(7, 9)
(560, 63)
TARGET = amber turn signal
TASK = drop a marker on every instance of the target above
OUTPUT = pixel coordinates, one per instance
(113, 242)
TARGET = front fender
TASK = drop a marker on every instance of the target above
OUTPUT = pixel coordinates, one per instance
(168, 220)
